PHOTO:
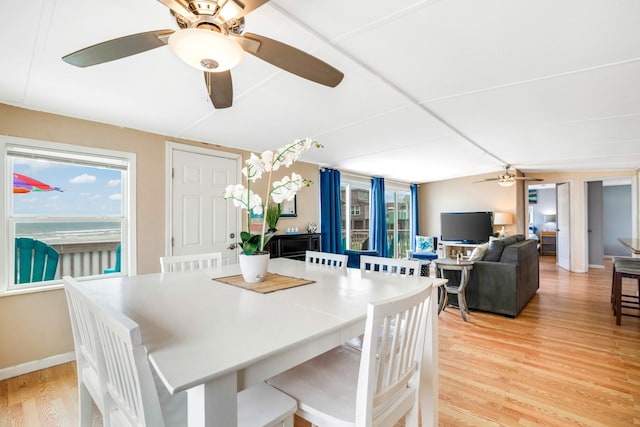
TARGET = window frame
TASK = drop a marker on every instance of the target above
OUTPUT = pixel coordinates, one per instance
(83, 155)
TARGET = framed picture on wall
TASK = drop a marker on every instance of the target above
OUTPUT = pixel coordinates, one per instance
(533, 196)
(289, 208)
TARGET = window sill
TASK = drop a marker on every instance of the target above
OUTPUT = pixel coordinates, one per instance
(31, 289)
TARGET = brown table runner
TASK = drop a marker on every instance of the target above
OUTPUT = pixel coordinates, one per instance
(273, 282)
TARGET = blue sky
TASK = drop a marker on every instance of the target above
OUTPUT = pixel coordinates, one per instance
(88, 191)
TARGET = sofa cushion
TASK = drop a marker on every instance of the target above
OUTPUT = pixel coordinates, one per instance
(425, 244)
(494, 251)
(513, 239)
(479, 252)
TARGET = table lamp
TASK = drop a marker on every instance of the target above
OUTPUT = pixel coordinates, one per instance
(502, 218)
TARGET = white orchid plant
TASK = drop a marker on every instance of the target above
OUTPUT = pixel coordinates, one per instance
(284, 189)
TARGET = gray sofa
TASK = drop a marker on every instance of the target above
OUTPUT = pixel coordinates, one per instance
(507, 277)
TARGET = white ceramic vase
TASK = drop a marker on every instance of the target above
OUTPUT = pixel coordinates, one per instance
(254, 267)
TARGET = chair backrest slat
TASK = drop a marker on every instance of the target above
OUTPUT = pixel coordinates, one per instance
(326, 258)
(389, 266)
(190, 262)
(392, 355)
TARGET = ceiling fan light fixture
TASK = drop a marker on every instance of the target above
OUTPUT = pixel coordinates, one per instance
(205, 50)
(506, 181)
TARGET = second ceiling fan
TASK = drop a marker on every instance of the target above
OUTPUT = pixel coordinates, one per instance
(507, 179)
(212, 38)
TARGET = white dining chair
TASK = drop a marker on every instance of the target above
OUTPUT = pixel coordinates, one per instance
(326, 258)
(88, 355)
(376, 386)
(190, 262)
(135, 397)
(389, 266)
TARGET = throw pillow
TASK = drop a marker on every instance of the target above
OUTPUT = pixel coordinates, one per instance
(494, 251)
(479, 252)
(424, 244)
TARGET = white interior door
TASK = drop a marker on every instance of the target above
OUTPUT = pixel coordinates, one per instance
(563, 237)
(201, 219)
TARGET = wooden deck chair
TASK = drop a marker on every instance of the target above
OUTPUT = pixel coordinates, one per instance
(35, 261)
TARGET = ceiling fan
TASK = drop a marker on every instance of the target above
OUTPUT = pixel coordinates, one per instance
(211, 38)
(507, 179)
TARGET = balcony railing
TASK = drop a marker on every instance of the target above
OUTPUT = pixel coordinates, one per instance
(85, 259)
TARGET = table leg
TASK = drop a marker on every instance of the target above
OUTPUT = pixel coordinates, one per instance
(214, 403)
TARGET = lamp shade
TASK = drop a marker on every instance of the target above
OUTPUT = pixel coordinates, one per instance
(502, 218)
(205, 50)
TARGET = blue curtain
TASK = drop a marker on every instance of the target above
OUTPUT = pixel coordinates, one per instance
(414, 216)
(378, 222)
(330, 211)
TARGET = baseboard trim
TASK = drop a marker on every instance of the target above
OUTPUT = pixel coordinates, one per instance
(598, 266)
(36, 365)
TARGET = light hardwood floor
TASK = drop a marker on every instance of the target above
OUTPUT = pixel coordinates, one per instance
(562, 362)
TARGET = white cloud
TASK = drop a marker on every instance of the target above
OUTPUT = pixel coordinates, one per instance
(95, 197)
(35, 164)
(116, 196)
(83, 179)
(113, 182)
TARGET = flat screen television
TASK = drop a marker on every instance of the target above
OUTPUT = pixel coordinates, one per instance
(466, 227)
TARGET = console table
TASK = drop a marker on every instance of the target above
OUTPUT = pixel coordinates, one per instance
(293, 246)
(452, 249)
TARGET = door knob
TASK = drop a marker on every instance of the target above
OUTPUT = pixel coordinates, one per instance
(232, 246)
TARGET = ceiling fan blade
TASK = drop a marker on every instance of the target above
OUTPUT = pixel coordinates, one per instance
(291, 59)
(118, 48)
(486, 180)
(220, 88)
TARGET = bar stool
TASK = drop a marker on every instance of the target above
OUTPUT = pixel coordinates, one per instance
(629, 268)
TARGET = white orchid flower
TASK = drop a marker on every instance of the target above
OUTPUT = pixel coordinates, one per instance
(285, 189)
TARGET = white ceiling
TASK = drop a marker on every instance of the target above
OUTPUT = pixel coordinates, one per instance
(433, 89)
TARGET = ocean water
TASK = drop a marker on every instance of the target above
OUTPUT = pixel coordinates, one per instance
(71, 232)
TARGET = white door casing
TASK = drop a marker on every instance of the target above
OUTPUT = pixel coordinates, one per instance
(563, 236)
(200, 220)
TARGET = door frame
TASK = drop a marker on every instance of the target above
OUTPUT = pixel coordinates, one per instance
(634, 205)
(170, 147)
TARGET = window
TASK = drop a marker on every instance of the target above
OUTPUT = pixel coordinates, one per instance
(355, 213)
(355, 196)
(76, 201)
(398, 203)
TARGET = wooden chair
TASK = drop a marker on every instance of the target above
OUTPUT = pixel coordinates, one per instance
(390, 266)
(190, 262)
(133, 396)
(88, 355)
(35, 261)
(376, 386)
(624, 268)
(326, 258)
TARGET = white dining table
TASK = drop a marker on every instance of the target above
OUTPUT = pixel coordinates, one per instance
(211, 339)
